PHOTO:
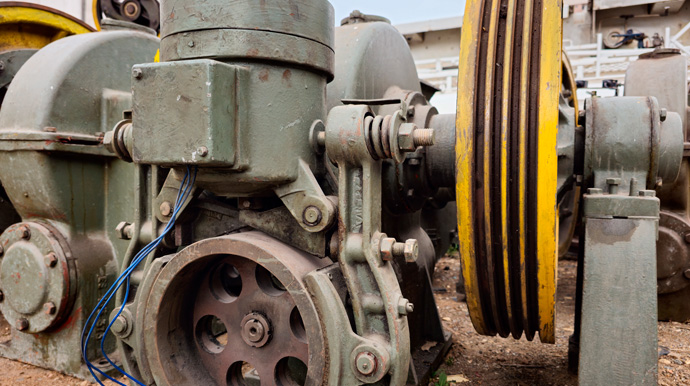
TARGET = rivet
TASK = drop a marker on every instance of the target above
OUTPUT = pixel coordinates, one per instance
(202, 151)
(22, 324)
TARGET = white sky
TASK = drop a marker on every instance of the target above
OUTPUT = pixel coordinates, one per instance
(400, 11)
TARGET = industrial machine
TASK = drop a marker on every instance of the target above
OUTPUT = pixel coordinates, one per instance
(259, 198)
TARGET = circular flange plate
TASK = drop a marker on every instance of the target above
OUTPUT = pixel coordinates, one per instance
(506, 173)
(37, 277)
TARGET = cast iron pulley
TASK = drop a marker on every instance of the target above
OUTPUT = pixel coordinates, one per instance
(234, 310)
(508, 111)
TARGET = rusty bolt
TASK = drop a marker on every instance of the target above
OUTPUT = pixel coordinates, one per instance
(137, 73)
(50, 308)
(424, 137)
(2, 296)
(409, 250)
(50, 260)
(366, 363)
(25, 232)
(22, 324)
(166, 208)
(404, 306)
(663, 113)
(123, 230)
(406, 137)
(387, 248)
(312, 215)
(686, 274)
(202, 151)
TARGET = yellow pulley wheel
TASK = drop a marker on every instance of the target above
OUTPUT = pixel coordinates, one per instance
(507, 125)
(32, 26)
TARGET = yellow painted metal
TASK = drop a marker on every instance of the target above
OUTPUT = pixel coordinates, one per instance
(464, 153)
(522, 200)
(505, 127)
(490, 121)
(29, 26)
(95, 11)
(547, 166)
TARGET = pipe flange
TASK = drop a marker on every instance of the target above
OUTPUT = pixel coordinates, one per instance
(37, 277)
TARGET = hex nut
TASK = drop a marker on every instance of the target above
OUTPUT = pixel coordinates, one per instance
(404, 306)
(411, 251)
(121, 230)
(386, 248)
(50, 260)
(50, 308)
(22, 324)
(119, 325)
(137, 73)
(165, 208)
(406, 137)
(25, 232)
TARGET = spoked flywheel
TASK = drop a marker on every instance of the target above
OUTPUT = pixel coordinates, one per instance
(234, 311)
(508, 99)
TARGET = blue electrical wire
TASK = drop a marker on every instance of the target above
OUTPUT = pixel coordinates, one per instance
(185, 190)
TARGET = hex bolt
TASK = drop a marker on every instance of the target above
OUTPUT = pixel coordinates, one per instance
(119, 325)
(687, 273)
(50, 308)
(409, 250)
(246, 204)
(50, 260)
(423, 137)
(25, 232)
(22, 324)
(123, 230)
(165, 208)
(2, 296)
(202, 151)
(613, 184)
(312, 215)
(404, 306)
(663, 113)
(137, 73)
(366, 363)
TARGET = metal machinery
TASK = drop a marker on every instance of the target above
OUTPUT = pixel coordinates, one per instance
(265, 204)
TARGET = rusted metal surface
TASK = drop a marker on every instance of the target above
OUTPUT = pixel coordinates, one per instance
(249, 282)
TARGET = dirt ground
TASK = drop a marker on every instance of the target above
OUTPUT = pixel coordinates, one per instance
(473, 359)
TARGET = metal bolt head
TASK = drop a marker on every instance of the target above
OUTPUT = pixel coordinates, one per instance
(404, 306)
(386, 246)
(406, 137)
(50, 308)
(137, 73)
(165, 208)
(663, 113)
(366, 363)
(119, 325)
(25, 232)
(312, 215)
(22, 324)
(411, 250)
(191, 44)
(122, 231)
(202, 151)
(50, 260)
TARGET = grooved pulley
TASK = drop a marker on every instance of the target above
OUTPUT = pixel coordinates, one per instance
(508, 94)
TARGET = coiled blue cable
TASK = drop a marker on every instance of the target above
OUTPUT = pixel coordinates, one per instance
(185, 190)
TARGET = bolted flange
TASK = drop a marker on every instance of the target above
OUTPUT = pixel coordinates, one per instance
(256, 329)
